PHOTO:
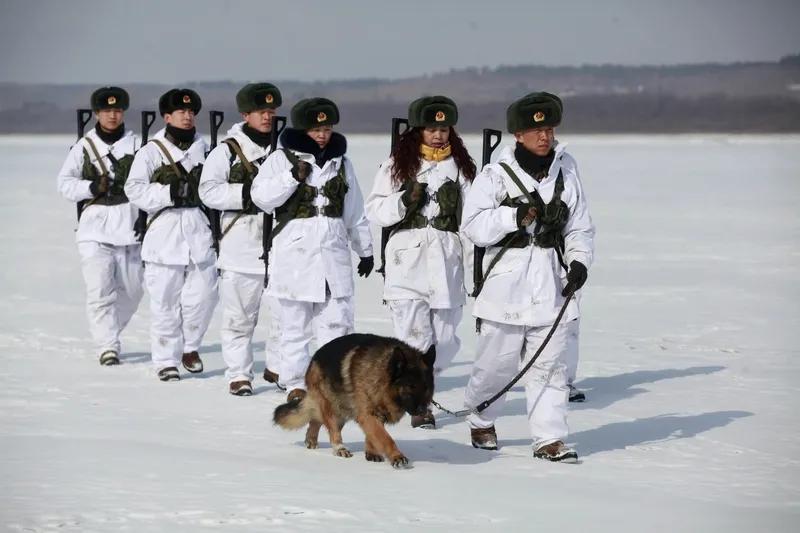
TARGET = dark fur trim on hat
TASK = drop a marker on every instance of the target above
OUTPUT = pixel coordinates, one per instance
(258, 96)
(535, 110)
(432, 112)
(175, 99)
(109, 98)
(314, 112)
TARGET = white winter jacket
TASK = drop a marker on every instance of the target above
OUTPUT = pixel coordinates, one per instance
(179, 235)
(524, 287)
(111, 224)
(423, 263)
(310, 251)
(241, 247)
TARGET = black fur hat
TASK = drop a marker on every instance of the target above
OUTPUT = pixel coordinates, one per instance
(110, 97)
(257, 96)
(432, 111)
(314, 112)
(175, 99)
(534, 110)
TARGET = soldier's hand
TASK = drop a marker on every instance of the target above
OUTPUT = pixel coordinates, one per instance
(416, 194)
(98, 187)
(365, 266)
(525, 216)
(302, 171)
(576, 277)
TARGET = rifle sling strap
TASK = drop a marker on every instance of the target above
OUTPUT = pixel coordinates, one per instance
(179, 171)
(96, 153)
(233, 145)
(518, 183)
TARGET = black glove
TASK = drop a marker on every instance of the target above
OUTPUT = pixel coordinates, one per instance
(179, 192)
(576, 277)
(99, 187)
(525, 215)
(246, 200)
(365, 266)
(301, 171)
(416, 193)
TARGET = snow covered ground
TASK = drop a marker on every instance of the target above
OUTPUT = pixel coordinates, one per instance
(690, 361)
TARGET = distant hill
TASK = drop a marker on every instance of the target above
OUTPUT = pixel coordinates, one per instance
(738, 97)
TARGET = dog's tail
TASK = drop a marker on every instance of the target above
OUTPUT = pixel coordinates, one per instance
(294, 415)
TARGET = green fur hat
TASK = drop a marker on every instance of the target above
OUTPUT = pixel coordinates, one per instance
(175, 99)
(432, 111)
(535, 110)
(258, 96)
(314, 112)
(110, 97)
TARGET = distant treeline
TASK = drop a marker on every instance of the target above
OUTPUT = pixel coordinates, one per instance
(739, 97)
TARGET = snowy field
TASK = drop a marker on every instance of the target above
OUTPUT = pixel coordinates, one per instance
(690, 361)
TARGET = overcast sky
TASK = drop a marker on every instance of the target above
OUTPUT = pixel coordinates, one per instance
(164, 41)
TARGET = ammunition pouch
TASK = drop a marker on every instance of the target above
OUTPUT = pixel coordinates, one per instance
(165, 175)
(448, 196)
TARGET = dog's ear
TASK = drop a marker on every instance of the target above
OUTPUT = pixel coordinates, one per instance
(397, 364)
(429, 357)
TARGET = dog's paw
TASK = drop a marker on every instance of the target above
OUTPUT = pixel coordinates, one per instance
(400, 461)
(374, 457)
(311, 444)
(341, 451)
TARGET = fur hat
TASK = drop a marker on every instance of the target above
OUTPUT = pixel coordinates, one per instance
(432, 111)
(535, 110)
(110, 97)
(313, 112)
(175, 99)
(258, 96)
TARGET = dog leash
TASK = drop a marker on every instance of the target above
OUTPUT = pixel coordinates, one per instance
(483, 405)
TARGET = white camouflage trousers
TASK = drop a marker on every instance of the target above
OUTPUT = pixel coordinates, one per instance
(241, 295)
(328, 320)
(113, 278)
(502, 351)
(422, 327)
(182, 300)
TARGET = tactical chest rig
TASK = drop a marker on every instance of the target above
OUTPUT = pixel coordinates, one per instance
(173, 172)
(301, 203)
(448, 196)
(550, 220)
(116, 187)
(242, 172)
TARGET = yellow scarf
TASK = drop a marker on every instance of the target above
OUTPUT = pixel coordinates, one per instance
(429, 153)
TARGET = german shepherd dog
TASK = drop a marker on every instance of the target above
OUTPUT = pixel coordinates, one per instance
(367, 378)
